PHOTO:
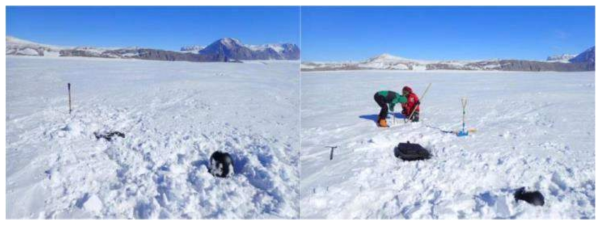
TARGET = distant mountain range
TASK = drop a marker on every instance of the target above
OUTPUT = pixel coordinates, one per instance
(584, 61)
(232, 50)
(223, 50)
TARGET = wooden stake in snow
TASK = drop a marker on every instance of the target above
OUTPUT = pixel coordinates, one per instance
(69, 96)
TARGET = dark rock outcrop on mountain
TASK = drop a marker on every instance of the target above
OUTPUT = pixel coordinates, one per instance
(587, 56)
(143, 54)
(82, 52)
(26, 51)
(155, 54)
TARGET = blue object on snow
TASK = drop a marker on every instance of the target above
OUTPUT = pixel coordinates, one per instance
(462, 133)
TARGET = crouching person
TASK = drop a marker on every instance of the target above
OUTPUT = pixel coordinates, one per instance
(387, 101)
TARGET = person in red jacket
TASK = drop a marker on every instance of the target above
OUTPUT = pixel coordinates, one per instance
(408, 107)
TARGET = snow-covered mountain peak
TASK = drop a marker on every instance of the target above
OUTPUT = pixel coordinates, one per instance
(230, 42)
(388, 58)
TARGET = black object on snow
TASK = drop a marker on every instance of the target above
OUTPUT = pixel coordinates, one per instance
(411, 152)
(221, 164)
(532, 197)
(109, 135)
(332, 151)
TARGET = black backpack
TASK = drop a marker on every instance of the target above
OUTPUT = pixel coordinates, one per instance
(411, 152)
(221, 164)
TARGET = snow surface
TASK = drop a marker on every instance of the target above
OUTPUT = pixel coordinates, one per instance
(535, 130)
(174, 116)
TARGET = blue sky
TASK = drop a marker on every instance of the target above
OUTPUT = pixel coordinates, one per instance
(154, 27)
(445, 33)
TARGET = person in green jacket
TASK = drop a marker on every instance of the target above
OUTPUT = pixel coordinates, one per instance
(387, 101)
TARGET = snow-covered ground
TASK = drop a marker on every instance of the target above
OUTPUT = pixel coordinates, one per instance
(173, 115)
(535, 130)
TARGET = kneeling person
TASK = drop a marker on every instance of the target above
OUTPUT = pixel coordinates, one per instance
(413, 104)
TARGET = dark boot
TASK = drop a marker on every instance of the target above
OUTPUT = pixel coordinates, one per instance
(415, 117)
